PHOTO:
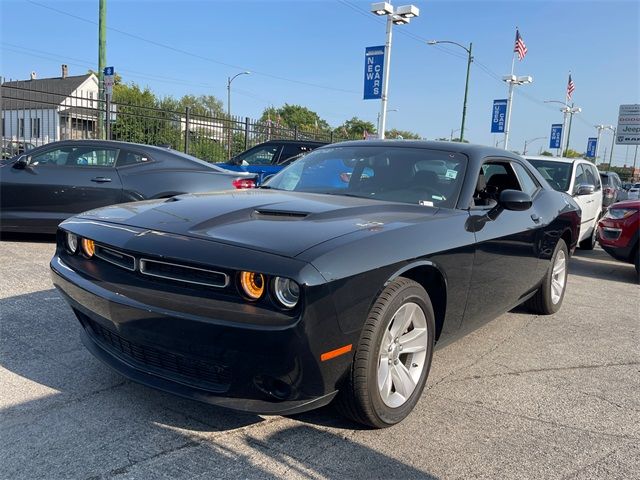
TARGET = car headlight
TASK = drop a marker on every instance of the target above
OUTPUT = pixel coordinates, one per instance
(286, 291)
(71, 242)
(619, 213)
(88, 247)
(252, 284)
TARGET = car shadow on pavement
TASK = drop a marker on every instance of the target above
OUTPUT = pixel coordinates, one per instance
(65, 415)
(599, 264)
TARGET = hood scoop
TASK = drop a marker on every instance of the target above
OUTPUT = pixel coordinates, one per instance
(279, 214)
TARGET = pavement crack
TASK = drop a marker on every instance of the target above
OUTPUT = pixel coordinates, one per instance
(485, 354)
(538, 420)
(125, 468)
(539, 370)
(592, 464)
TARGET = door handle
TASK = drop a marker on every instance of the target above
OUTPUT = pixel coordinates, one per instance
(535, 218)
(100, 179)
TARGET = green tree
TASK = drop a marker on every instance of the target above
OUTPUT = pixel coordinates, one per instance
(202, 105)
(407, 135)
(291, 116)
(546, 154)
(570, 153)
(355, 128)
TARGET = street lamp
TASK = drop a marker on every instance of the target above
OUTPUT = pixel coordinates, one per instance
(529, 142)
(229, 136)
(400, 16)
(513, 81)
(378, 119)
(566, 110)
(466, 85)
(600, 128)
(454, 131)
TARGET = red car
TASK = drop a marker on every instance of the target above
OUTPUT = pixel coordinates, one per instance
(618, 231)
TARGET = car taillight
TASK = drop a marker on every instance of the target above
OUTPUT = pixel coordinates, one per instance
(241, 183)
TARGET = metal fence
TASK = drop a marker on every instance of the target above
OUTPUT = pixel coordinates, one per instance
(35, 113)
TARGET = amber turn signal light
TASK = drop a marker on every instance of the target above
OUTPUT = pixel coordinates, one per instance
(88, 247)
(252, 284)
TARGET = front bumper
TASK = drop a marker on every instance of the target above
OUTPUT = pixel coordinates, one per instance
(243, 367)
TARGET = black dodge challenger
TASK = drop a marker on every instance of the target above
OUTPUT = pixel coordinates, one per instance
(334, 280)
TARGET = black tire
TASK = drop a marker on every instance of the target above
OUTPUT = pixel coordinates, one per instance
(359, 398)
(542, 303)
(589, 243)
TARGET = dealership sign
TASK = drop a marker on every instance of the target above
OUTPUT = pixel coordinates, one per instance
(109, 80)
(628, 131)
(498, 115)
(556, 135)
(373, 70)
(592, 143)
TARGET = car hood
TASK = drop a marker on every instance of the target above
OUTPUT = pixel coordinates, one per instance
(284, 223)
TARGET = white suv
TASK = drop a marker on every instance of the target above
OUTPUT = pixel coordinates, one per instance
(580, 179)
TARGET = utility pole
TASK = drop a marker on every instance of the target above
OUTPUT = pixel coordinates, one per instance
(385, 77)
(102, 61)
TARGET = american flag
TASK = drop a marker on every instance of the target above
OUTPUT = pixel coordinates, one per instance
(570, 88)
(520, 48)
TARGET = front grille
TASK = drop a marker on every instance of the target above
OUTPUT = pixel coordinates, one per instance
(199, 373)
(183, 273)
(120, 259)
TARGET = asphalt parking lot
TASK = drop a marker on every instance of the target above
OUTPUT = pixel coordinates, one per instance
(522, 397)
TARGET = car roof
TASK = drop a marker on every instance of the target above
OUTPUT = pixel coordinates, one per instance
(287, 142)
(608, 173)
(469, 149)
(106, 143)
(554, 159)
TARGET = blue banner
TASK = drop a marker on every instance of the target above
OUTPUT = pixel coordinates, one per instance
(373, 70)
(498, 116)
(556, 135)
(592, 143)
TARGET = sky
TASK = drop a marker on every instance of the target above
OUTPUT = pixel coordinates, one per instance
(312, 53)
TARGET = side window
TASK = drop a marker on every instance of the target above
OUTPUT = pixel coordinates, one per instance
(261, 156)
(131, 158)
(289, 151)
(596, 177)
(580, 177)
(527, 183)
(76, 157)
(493, 179)
(588, 171)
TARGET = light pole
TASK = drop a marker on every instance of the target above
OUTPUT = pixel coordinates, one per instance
(600, 128)
(466, 85)
(513, 81)
(378, 119)
(566, 111)
(399, 16)
(613, 142)
(452, 132)
(529, 142)
(229, 136)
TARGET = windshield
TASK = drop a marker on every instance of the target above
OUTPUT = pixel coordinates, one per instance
(396, 174)
(557, 174)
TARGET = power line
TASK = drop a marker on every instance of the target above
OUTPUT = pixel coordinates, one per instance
(195, 55)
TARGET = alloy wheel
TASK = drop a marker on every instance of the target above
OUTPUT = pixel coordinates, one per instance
(558, 277)
(403, 353)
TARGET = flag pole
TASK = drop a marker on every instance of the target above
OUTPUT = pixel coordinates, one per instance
(565, 111)
(509, 102)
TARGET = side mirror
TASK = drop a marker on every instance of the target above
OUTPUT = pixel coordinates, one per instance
(22, 162)
(515, 200)
(585, 189)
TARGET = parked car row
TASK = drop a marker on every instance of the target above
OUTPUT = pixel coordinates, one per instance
(279, 291)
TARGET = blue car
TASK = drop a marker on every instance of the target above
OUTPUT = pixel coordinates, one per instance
(269, 158)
